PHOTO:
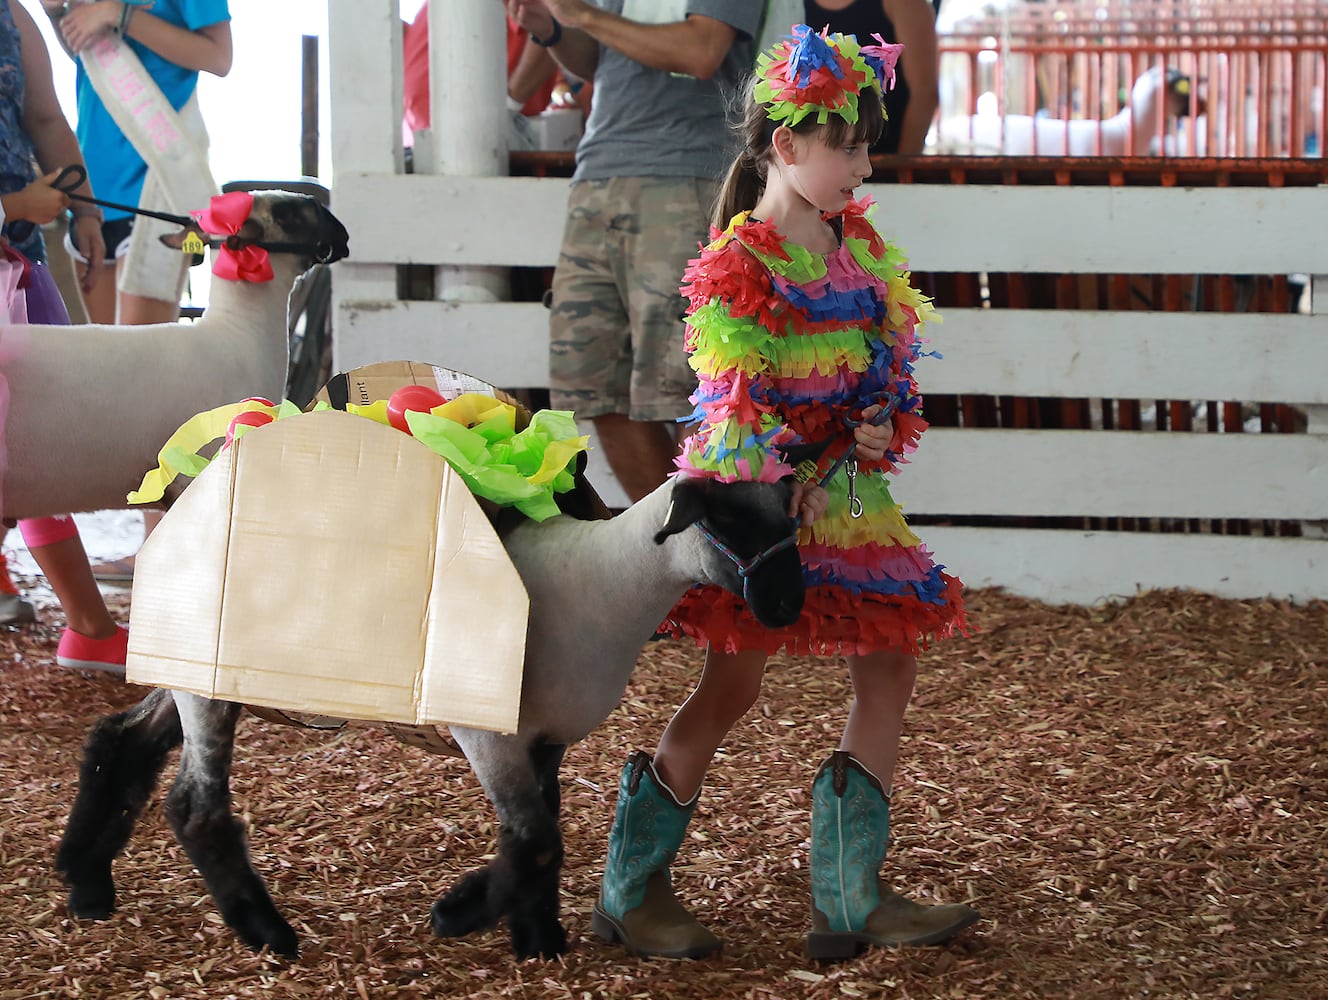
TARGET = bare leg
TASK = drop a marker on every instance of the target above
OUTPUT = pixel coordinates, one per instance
(729, 686)
(65, 565)
(640, 452)
(99, 303)
(882, 687)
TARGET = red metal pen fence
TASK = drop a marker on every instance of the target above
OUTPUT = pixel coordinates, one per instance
(1256, 72)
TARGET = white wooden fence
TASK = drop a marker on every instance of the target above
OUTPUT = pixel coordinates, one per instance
(463, 222)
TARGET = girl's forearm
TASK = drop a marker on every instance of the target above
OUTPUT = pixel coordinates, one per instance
(206, 50)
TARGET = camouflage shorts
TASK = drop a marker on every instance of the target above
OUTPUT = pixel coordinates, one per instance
(616, 332)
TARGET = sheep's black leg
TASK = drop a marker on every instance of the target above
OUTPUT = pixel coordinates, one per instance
(122, 758)
(521, 883)
(529, 862)
(464, 908)
(547, 759)
(199, 810)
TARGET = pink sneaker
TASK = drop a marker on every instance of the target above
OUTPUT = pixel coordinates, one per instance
(79, 652)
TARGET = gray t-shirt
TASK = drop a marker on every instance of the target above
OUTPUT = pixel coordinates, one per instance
(648, 123)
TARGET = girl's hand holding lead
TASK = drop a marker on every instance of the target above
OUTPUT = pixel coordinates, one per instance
(39, 202)
(809, 502)
(873, 439)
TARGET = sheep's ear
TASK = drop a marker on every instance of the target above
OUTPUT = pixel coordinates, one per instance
(176, 240)
(796, 454)
(686, 507)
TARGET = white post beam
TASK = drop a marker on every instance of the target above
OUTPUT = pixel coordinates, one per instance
(468, 122)
(364, 45)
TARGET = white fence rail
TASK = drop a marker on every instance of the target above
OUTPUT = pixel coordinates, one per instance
(962, 473)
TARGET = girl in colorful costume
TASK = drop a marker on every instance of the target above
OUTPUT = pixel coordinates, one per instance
(802, 325)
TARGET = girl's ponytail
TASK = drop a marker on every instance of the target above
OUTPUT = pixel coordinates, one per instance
(740, 191)
(745, 180)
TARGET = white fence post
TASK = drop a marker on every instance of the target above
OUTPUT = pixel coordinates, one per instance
(364, 43)
(468, 121)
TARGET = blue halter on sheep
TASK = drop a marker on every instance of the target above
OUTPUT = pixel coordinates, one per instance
(597, 590)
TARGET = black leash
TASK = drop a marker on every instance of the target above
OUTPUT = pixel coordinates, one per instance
(806, 470)
(66, 181)
(74, 175)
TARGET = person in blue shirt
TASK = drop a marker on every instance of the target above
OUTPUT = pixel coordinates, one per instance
(175, 40)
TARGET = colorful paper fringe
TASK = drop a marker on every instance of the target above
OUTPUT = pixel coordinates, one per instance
(789, 348)
(822, 74)
(475, 434)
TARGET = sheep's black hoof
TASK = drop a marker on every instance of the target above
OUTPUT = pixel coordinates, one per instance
(92, 898)
(464, 909)
(261, 928)
(530, 941)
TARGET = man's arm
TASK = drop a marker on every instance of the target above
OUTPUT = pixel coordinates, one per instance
(915, 28)
(531, 70)
(695, 46)
(574, 50)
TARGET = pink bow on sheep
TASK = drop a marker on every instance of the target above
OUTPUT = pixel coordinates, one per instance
(235, 260)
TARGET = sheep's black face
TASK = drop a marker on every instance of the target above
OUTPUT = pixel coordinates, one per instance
(303, 221)
(750, 521)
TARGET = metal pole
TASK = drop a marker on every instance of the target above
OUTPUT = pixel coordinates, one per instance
(309, 108)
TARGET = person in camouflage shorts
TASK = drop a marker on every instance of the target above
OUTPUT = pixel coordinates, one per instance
(647, 170)
(614, 335)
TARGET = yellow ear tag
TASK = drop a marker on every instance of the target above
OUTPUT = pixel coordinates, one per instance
(806, 471)
(193, 243)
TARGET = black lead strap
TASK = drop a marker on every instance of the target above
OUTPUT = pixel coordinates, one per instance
(72, 177)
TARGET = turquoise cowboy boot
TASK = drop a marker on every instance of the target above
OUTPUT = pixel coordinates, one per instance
(851, 908)
(636, 904)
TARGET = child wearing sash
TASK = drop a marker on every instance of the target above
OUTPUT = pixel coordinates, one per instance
(126, 50)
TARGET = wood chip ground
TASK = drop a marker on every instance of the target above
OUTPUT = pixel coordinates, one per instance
(1134, 795)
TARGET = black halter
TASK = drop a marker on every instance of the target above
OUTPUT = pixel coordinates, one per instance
(746, 567)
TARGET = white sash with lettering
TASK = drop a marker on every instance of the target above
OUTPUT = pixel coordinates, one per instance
(174, 146)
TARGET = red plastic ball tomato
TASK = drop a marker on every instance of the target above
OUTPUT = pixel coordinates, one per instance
(419, 398)
(249, 418)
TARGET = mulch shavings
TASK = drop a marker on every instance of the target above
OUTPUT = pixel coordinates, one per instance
(1135, 796)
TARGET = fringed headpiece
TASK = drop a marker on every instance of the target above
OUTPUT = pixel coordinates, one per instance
(807, 73)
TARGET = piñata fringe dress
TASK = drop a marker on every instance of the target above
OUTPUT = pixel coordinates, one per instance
(789, 345)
